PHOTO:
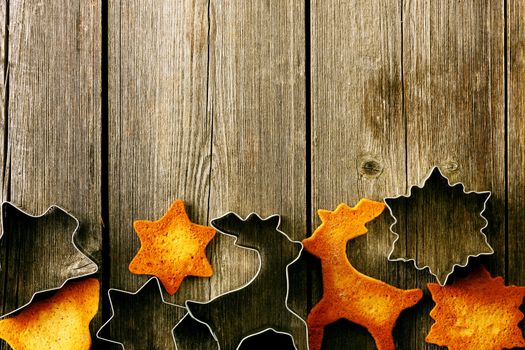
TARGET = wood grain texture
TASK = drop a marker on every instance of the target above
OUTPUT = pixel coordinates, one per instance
(3, 135)
(516, 140)
(207, 102)
(453, 70)
(3, 138)
(452, 88)
(358, 133)
(3, 99)
(53, 114)
(159, 131)
(54, 121)
(257, 104)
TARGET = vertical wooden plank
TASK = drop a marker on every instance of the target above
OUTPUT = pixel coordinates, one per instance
(159, 131)
(358, 145)
(3, 98)
(516, 140)
(53, 114)
(3, 127)
(453, 64)
(54, 110)
(257, 103)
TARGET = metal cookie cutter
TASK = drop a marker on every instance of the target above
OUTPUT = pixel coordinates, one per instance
(148, 321)
(438, 225)
(44, 249)
(261, 304)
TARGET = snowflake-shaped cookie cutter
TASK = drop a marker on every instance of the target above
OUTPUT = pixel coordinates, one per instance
(436, 172)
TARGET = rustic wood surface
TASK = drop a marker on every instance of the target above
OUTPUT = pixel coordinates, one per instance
(358, 131)
(454, 108)
(114, 109)
(159, 131)
(52, 116)
(515, 148)
(257, 66)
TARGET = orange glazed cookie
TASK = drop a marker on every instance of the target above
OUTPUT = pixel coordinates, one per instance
(60, 322)
(477, 312)
(347, 293)
(172, 248)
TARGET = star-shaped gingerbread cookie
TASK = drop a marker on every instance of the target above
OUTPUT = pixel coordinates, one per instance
(477, 312)
(172, 248)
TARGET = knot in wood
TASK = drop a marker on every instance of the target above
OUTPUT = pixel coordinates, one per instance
(370, 168)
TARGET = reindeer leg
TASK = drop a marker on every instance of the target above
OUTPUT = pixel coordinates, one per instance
(383, 337)
(315, 337)
(320, 316)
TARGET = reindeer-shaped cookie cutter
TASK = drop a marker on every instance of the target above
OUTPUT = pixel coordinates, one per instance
(247, 285)
(433, 171)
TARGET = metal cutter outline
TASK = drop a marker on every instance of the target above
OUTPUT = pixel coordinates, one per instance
(409, 194)
(50, 209)
(253, 279)
(135, 293)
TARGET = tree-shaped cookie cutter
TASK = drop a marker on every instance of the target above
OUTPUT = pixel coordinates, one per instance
(436, 177)
(135, 297)
(58, 266)
(248, 300)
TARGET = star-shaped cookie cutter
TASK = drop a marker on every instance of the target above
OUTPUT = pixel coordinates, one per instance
(72, 262)
(275, 218)
(436, 172)
(120, 292)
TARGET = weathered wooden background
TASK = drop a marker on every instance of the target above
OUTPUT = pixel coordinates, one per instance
(114, 109)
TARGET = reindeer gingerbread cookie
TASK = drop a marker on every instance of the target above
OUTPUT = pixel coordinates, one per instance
(347, 293)
(252, 309)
